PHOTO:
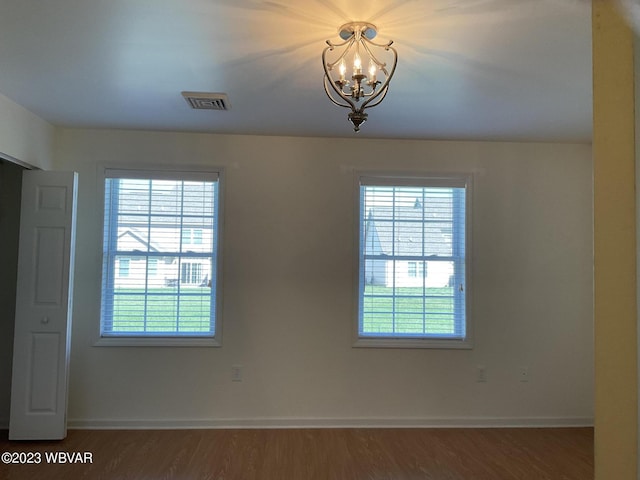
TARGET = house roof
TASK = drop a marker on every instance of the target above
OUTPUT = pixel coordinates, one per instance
(410, 231)
(137, 237)
(189, 206)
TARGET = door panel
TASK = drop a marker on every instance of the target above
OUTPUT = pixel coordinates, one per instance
(44, 373)
(49, 266)
(43, 306)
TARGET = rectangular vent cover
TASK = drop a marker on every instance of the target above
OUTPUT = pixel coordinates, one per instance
(207, 101)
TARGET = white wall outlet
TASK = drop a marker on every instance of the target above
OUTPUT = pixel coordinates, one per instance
(236, 373)
(481, 374)
(524, 374)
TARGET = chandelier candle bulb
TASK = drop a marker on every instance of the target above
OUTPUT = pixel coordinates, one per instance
(372, 72)
(357, 65)
(343, 70)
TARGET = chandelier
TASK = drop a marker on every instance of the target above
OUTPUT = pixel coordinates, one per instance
(360, 91)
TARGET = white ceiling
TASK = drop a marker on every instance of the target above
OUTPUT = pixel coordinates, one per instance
(467, 69)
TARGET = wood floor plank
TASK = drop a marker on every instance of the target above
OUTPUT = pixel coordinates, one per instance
(312, 454)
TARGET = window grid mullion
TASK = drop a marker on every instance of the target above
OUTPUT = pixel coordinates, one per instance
(393, 253)
(423, 237)
(214, 248)
(112, 242)
(362, 264)
(137, 253)
(146, 275)
(177, 327)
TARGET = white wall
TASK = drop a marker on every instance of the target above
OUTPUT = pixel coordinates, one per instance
(24, 136)
(288, 309)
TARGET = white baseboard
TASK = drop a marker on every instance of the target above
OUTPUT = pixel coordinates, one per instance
(236, 423)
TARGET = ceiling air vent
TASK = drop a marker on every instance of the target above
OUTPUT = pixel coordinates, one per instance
(207, 101)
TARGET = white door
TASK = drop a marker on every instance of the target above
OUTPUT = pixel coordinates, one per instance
(43, 306)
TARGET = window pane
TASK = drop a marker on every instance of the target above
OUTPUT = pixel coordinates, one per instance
(412, 261)
(159, 251)
(133, 196)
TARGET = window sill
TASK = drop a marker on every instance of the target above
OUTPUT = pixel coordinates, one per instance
(157, 342)
(385, 342)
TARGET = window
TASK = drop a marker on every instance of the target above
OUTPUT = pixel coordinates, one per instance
(191, 273)
(160, 258)
(152, 267)
(413, 265)
(123, 264)
(416, 269)
(413, 269)
(192, 236)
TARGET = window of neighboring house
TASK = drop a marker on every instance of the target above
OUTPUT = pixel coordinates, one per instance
(413, 269)
(152, 266)
(123, 267)
(192, 236)
(191, 273)
(165, 290)
(413, 243)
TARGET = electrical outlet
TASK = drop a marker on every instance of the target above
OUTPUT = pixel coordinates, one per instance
(236, 373)
(524, 374)
(481, 374)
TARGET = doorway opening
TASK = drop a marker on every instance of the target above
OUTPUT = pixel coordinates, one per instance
(10, 193)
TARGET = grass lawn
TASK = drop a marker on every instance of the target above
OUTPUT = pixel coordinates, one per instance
(408, 310)
(162, 310)
(405, 310)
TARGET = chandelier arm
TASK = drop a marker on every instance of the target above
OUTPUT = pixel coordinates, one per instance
(328, 66)
(395, 62)
(387, 47)
(333, 100)
(385, 85)
(327, 79)
(342, 44)
(381, 94)
(383, 88)
(380, 64)
(372, 93)
(350, 41)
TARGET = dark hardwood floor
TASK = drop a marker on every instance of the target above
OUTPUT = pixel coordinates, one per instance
(301, 454)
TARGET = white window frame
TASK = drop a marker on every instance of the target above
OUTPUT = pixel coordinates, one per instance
(159, 173)
(419, 179)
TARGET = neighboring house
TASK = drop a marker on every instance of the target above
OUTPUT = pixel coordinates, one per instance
(408, 246)
(161, 269)
(163, 237)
